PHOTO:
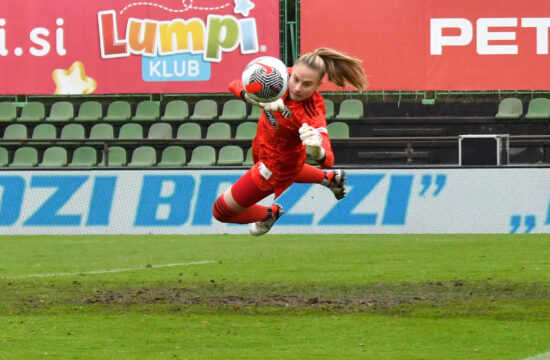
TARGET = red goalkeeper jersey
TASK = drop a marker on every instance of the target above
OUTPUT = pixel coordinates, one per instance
(277, 149)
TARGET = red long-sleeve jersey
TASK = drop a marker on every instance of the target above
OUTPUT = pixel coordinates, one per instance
(277, 149)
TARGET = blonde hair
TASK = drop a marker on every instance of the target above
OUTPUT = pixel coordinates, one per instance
(339, 68)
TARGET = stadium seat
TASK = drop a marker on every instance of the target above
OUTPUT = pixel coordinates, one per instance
(117, 157)
(329, 109)
(337, 130)
(102, 131)
(118, 111)
(233, 110)
(72, 131)
(246, 130)
(160, 131)
(54, 157)
(203, 155)
(173, 156)
(248, 160)
(350, 109)
(509, 108)
(176, 110)
(131, 131)
(44, 131)
(15, 131)
(32, 111)
(25, 156)
(205, 109)
(230, 155)
(218, 130)
(84, 156)
(254, 113)
(8, 112)
(189, 131)
(61, 111)
(147, 111)
(4, 157)
(143, 156)
(89, 111)
(539, 109)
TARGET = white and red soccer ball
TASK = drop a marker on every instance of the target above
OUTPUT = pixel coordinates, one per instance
(265, 79)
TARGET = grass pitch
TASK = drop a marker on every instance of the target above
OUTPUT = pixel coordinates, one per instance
(275, 297)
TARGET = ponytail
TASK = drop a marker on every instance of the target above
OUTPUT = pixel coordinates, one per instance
(339, 68)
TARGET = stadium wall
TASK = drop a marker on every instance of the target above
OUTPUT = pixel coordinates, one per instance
(391, 201)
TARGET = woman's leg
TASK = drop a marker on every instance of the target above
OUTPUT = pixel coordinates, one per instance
(238, 204)
(335, 180)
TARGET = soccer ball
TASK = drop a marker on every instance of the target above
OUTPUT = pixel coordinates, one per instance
(265, 79)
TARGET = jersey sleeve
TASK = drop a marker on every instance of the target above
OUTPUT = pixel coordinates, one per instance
(237, 88)
(313, 113)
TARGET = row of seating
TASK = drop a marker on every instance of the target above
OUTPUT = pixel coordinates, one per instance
(135, 131)
(142, 156)
(150, 111)
(512, 108)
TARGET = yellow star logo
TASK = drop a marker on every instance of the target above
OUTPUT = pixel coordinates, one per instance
(73, 81)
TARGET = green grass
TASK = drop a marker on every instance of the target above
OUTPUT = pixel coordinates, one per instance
(275, 297)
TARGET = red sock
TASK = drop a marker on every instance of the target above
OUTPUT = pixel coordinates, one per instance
(310, 175)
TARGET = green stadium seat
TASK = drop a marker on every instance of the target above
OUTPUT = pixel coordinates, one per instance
(337, 130)
(173, 156)
(143, 156)
(160, 131)
(89, 111)
(61, 111)
(15, 131)
(54, 156)
(203, 155)
(32, 111)
(8, 112)
(73, 131)
(539, 109)
(147, 111)
(131, 131)
(189, 131)
(84, 156)
(350, 109)
(246, 130)
(230, 155)
(329, 109)
(255, 113)
(218, 131)
(44, 131)
(102, 131)
(248, 161)
(4, 157)
(176, 111)
(233, 110)
(509, 108)
(25, 156)
(117, 157)
(118, 111)
(205, 109)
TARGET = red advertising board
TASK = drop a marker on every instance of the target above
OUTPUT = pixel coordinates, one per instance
(126, 46)
(436, 44)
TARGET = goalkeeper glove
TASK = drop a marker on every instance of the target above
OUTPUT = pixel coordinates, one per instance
(312, 140)
(277, 105)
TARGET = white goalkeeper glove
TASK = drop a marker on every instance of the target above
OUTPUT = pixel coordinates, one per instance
(277, 105)
(312, 140)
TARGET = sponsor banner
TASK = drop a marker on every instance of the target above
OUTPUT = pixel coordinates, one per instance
(500, 200)
(436, 45)
(125, 46)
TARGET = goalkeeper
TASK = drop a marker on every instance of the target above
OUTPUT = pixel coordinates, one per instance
(288, 130)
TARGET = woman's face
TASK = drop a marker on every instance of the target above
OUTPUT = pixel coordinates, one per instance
(303, 82)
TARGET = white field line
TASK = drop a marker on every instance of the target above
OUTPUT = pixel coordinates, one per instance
(545, 356)
(95, 272)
